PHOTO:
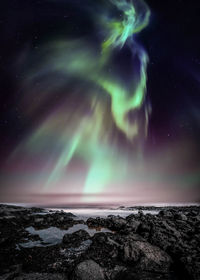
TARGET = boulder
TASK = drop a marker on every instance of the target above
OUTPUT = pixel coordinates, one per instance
(133, 224)
(75, 238)
(165, 213)
(143, 227)
(97, 222)
(180, 216)
(104, 249)
(88, 270)
(112, 222)
(131, 253)
(116, 222)
(146, 257)
(153, 258)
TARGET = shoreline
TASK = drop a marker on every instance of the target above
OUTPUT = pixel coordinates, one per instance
(137, 246)
(101, 206)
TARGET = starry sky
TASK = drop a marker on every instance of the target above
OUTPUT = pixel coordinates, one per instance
(100, 101)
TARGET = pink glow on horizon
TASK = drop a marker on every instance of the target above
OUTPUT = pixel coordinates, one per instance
(152, 196)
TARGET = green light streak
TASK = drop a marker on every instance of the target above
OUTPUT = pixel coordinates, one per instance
(63, 161)
(87, 137)
(120, 31)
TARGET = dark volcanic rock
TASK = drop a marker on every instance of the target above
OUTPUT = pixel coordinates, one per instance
(133, 225)
(15, 270)
(148, 257)
(60, 219)
(111, 222)
(88, 270)
(104, 249)
(41, 276)
(130, 274)
(75, 238)
(116, 222)
(180, 216)
(142, 256)
(166, 213)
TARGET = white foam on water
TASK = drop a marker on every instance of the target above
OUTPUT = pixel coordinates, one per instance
(85, 213)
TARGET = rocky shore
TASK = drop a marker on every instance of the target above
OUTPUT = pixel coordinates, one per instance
(39, 244)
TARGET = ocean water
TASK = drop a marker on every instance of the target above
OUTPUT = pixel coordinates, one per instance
(85, 213)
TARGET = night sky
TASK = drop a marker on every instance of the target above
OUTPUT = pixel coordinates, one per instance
(100, 101)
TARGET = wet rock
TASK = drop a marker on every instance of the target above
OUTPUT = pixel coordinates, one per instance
(41, 276)
(58, 219)
(75, 238)
(166, 213)
(104, 249)
(164, 234)
(153, 258)
(14, 271)
(116, 222)
(129, 274)
(146, 257)
(144, 229)
(73, 254)
(8, 276)
(133, 224)
(100, 238)
(131, 237)
(97, 222)
(114, 272)
(112, 222)
(180, 216)
(130, 253)
(88, 270)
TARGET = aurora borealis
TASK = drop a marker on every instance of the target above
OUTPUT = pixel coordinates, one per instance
(85, 93)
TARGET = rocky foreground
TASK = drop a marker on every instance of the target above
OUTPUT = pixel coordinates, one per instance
(139, 247)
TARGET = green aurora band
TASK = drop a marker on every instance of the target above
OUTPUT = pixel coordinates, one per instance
(71, 134)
